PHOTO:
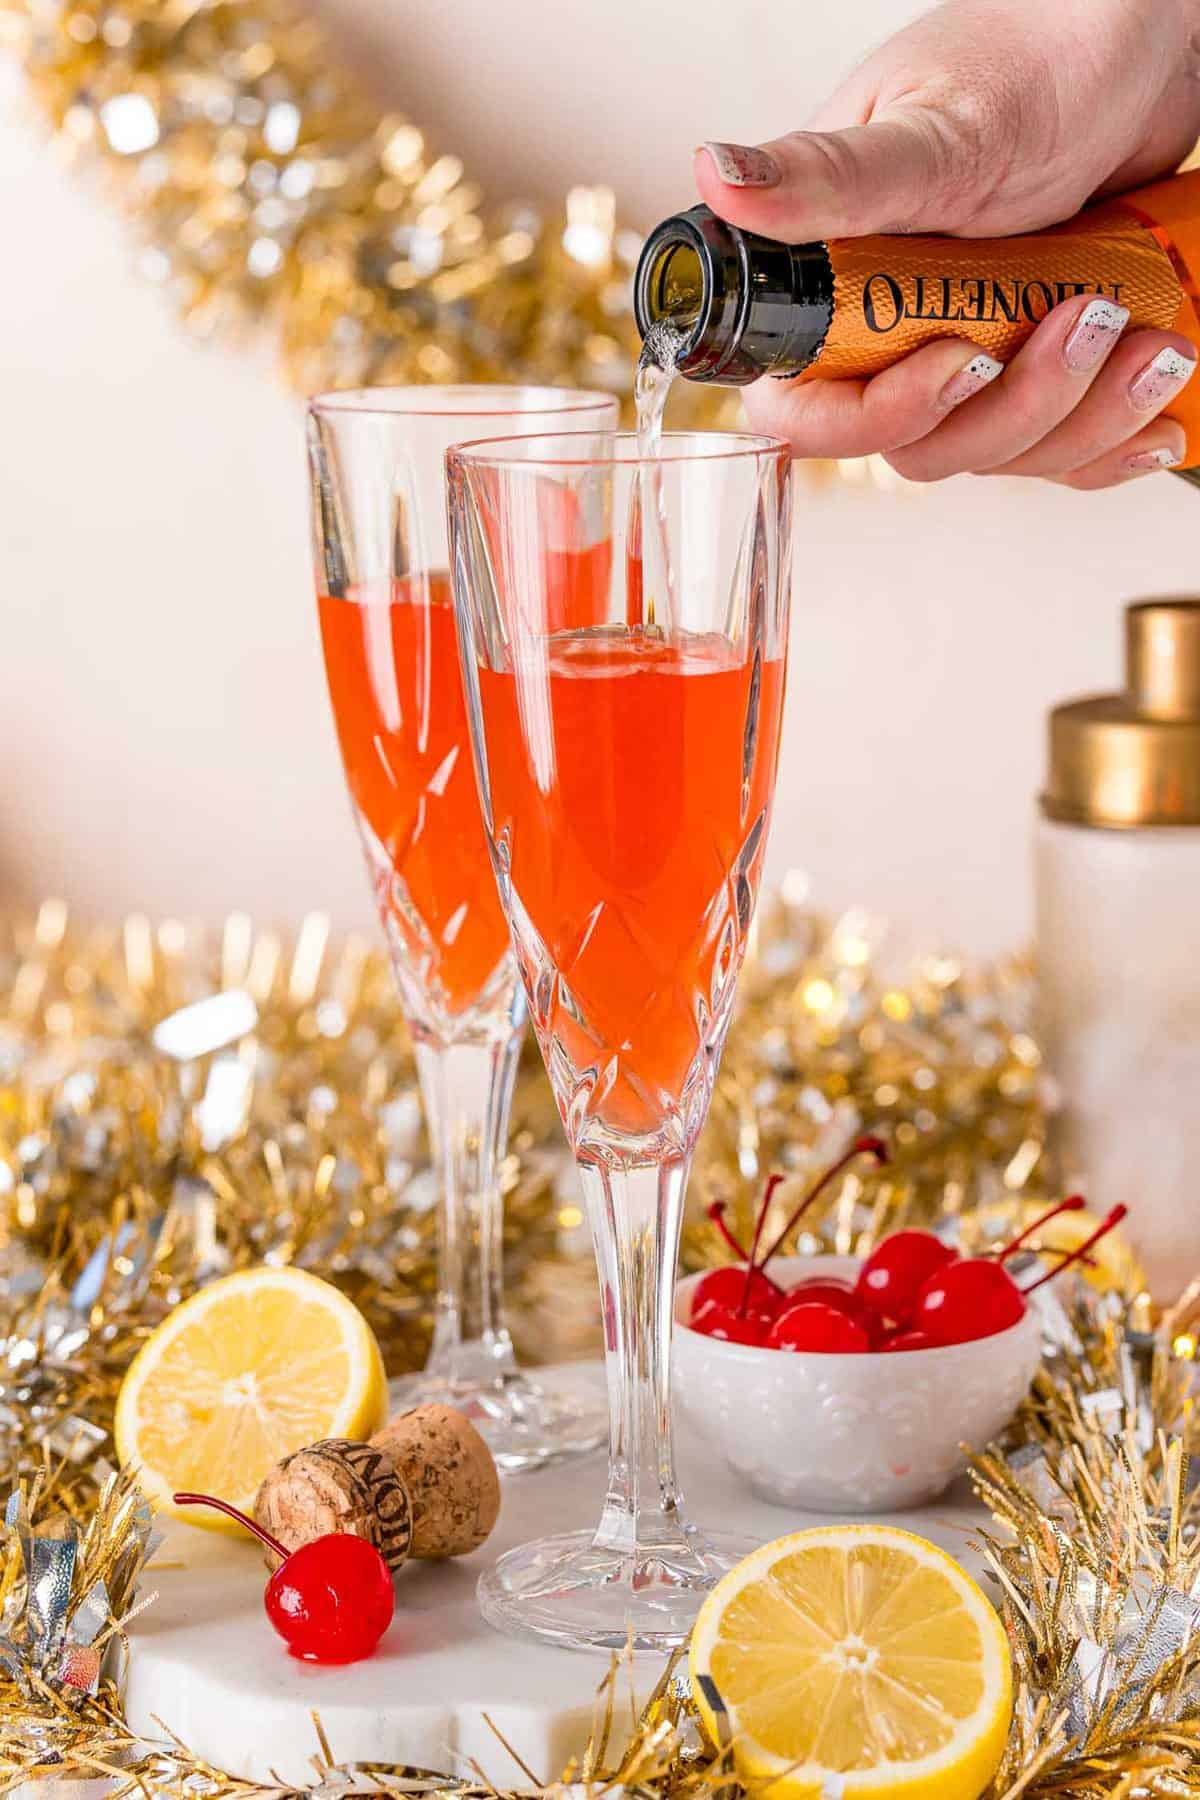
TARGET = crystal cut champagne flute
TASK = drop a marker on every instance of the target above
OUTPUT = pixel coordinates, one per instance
(376, 460)
(626, 759)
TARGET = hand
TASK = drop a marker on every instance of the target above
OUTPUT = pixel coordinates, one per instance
(983, 119)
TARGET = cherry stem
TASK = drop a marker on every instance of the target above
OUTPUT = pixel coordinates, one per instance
(1074, 1203)
(1102, 1230)
(716, 1214)
(864, 1146)
(1084, 1261)
(772, 1183)
(231, 1512)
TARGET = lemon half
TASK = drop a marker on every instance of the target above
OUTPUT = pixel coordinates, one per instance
(248, 1370)
(855, 1660)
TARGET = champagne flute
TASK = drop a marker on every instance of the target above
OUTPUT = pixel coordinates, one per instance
(376, 459)
(626, 760)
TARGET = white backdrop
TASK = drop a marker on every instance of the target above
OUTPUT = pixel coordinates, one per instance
(164, 730)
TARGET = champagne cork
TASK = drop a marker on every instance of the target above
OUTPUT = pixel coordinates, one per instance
(338, 1486)
(425, 1486)
(448, 1473)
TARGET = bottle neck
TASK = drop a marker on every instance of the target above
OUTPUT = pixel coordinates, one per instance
(746, 305)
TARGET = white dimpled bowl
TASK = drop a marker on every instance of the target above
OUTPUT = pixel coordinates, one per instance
(868, 1433)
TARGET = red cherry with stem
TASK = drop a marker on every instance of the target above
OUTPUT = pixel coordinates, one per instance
(863, 1146)
(975, 1298)
(811, 1325)
(716, 1320)
(896, 1270)
(724, 1287)
(906, 1340)
(333, 1600)
(330, 1601)
(968, 1298)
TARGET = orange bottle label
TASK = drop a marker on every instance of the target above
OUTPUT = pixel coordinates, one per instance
(892, 294)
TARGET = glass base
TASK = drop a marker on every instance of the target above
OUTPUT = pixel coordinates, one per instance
(563, 1590)
(526, 1424)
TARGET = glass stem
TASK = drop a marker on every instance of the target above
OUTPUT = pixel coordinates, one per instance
(467, 1088)
(635, 1217)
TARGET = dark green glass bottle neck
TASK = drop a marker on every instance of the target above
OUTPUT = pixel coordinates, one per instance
(746, 305)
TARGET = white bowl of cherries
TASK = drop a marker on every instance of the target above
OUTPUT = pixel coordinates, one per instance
(841, 1385)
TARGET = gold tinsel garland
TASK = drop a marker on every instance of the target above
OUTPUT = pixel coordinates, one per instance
(177, 1104)
(174, 1104)
(268, 190)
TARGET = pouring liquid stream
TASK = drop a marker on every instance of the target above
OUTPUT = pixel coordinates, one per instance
(655, 376)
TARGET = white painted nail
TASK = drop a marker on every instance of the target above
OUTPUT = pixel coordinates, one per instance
(1160, 379)
(1093, 335)
(1146, 460)
(981, 370)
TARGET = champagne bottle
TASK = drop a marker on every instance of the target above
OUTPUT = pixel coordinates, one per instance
(746, 306)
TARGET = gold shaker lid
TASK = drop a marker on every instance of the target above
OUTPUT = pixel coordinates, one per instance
(1130, 759)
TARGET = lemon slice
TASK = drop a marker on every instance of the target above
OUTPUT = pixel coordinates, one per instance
(246, 1371)
(854, 1660)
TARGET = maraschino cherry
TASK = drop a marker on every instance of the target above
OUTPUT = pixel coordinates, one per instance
(330, 1601)
(974, 1298)
(737, 1303)
(896, 1270)
(748, 1318)
(969, 1298)
(731, 1326)
(740, 1287)
(830, 1290)
(906, 1340)
(815, 1325)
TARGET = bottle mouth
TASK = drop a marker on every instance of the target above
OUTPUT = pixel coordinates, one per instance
(742, 306)
(674, 286)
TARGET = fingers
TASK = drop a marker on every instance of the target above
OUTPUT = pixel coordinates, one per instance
(909, 164)
(1076, 391)
(1079, 400)
(1137, 381)
(1041, 386)
(857, 418)
(1161, 445)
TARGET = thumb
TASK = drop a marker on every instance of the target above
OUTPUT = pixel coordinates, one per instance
(902, 172)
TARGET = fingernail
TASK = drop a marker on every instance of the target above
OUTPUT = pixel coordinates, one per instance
(1145, 460)
(1160, 379)
(744, 165)
(978, 372)
(1093, 335)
